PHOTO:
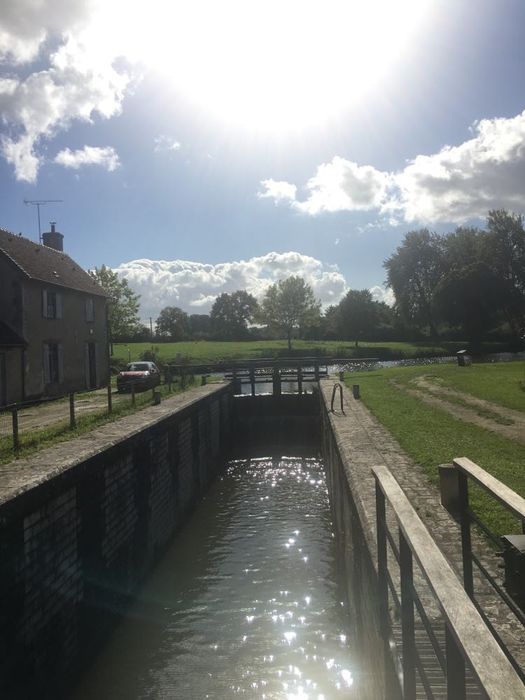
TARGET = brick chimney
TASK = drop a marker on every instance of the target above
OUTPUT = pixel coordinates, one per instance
(53, 239)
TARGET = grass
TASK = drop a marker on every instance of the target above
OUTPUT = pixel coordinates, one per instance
(34, 440)
(432, 436)
(207, 351)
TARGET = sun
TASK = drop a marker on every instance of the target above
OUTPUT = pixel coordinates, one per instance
(274, 65)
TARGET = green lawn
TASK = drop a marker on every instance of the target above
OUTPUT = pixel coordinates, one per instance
(432, 436)
(205, 351)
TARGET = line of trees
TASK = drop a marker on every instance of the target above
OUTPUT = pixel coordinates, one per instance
(466, 284)
(471, 280)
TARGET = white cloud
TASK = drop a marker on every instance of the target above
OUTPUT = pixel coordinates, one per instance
(279, 191)
(194, 286)
(456, 184)
(79, 82)
(381, 294)
(166, 143)
(25, 24)
(106, 157)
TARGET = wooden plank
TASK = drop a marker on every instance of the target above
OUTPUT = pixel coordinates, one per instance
(488, 662)
(509, 498)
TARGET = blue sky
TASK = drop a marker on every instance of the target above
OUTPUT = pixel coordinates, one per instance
(205, 147)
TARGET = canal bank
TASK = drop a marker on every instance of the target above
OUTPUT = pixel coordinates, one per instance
(82, 529)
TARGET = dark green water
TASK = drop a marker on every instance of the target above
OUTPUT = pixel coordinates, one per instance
(244, 604)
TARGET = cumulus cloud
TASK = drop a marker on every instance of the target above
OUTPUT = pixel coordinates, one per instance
(279, 191)
(453, 185)
(105, 157)
(166, 143)
(25, 24)
(194, 286)
(79, 81)
(381, 294)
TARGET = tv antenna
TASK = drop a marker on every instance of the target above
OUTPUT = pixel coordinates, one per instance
(39, 203)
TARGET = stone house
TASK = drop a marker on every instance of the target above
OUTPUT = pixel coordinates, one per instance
(53, 323)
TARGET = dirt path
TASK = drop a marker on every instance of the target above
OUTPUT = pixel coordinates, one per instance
(506, 422)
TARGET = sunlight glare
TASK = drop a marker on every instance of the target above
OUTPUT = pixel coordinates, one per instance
(272, 65)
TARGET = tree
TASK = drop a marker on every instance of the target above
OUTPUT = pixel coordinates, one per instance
(413, 273)
(231, 313)
(123, 304)
(200, 326)
(505, 243)
(172, 323)
(358, 315)
(289, 304)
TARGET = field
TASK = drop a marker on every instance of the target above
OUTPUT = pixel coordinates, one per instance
(438, 412)
(207, 351)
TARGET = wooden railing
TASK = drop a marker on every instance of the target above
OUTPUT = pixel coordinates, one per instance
(274, 371)
(455, 497)
(468, 642)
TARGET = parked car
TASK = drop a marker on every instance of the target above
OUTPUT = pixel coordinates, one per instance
(140, 375)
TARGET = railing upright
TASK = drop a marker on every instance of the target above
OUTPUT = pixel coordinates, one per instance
(466, 539)
(16, 438)
(407, 618)
(72, 418)
(110, 398)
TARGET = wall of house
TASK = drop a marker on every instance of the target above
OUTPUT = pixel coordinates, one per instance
(11, 296)
(72, 331)
(77, 543)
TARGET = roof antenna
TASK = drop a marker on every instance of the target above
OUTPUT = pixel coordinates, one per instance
(38, 203)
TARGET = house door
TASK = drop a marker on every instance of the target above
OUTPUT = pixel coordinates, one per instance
(3, 386)
(92, 365)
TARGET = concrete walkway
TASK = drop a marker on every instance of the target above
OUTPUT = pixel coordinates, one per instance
(365, 443)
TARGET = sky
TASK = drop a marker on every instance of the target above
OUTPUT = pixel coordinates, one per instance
(206, 146)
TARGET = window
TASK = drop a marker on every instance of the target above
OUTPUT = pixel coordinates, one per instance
(90, 310)
(53, 363)
(51, 304)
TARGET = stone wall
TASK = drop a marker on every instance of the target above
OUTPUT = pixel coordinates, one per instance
(81, 525)
(353, 511)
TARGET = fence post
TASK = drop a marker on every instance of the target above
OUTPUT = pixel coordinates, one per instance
(72, 419)
(407, 619)
(316, 370)
(252, 380)
(466, 543)
(132, 394)
(300, 379)
(204, 380)
(276, 381)
(16, 442)
(110, 398)
(455, 668)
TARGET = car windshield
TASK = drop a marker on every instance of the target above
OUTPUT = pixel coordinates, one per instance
(138, 367)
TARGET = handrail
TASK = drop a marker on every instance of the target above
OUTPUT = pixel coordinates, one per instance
(334, 390)
(467, 637)
(506, 496)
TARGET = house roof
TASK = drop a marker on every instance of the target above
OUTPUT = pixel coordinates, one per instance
(10, 339)
(38, 262)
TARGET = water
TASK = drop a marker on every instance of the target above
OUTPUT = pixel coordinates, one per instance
(244, 604)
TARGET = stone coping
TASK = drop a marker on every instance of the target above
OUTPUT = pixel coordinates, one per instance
(22, 475)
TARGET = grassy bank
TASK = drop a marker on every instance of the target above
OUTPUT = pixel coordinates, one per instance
(207, 351)
(432, 436)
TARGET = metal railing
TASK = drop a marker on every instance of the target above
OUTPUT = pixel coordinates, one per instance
(467, 640)
(455, 497)
(26, 421)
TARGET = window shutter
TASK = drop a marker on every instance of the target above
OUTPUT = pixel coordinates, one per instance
(44, 303)
(45, 363)
(60, 353)
(59, 304)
